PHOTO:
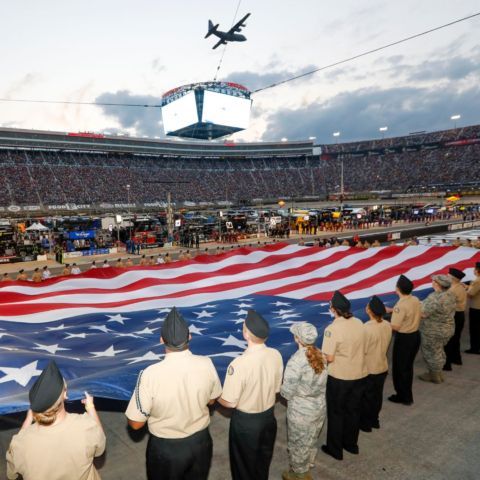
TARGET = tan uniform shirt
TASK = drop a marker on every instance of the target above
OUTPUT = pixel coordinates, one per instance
(143, 262)
(65, 450)
(379, 335)
(6, 279)
(172, 395)
(473, 293)
(346, 339)
(22, 276)
(407, 314)
(254, 379)
(460, 293)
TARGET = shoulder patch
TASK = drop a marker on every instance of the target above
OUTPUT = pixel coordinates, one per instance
(396, 309)
(328, 333)
(230, 370)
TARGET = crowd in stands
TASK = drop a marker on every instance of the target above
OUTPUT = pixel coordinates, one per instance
(42, 177)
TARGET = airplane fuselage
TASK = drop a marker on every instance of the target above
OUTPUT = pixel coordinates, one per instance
(230, 37)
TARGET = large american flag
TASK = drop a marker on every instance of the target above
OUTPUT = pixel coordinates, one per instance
(102, 327)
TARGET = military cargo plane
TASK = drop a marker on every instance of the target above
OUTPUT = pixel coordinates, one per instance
(230, 36)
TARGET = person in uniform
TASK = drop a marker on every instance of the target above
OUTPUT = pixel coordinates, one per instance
(452, 348)
(473, 293)
(46, 274)
(37, 276)
(160, 260)
(105, 264)
(6, 278)
(143, 261)
(66, 270)
(119, 263)
(379, 335)
(152, 261)
(53, 443)
(251, 384)
(437, 327)
(129, 263)
(76, 269)
(167, 258)
(344, 345)
(173, 397)
(22, 275)
(93, 265)
(405, 321)
(304, 385)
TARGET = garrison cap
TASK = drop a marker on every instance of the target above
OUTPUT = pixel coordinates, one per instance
(443, 280)
(47, 388)
(175, 331)
(455, 272)
(305, 332)
(377, 306)
(257, 324)
(340, 302)
(404, 284)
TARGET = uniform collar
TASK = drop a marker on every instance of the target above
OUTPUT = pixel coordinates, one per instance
(255, 347)
(340, 319)
(173, 356)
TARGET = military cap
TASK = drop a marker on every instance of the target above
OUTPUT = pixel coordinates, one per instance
(47, 388)
(175, 331)
(404, 284)
(305, 332)
(21, 270)
(340, 302)
(257, 324)
(455, 272)
(377, 306)
(443, 280)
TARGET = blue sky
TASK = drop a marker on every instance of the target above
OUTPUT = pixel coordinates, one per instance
(134, 51)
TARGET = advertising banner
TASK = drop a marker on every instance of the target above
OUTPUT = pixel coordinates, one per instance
(81, 235)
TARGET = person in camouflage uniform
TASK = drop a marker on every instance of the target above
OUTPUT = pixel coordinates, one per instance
(437, 327)
(304, 386)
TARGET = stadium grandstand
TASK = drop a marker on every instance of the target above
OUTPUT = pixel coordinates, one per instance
(45, 170)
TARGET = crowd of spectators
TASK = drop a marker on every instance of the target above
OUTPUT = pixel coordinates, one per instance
(43, 177)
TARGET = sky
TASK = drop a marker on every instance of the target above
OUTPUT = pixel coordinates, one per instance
(133, 52)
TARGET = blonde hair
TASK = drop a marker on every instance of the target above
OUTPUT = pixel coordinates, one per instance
(49, 416)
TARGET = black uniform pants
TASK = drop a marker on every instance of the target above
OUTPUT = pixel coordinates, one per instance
(344, 399)
(372, 400)
(179, 458)
(251, 440)
(405, 349)
(474, 323)
(452, 348)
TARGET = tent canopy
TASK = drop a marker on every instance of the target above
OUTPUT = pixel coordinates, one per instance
(37, 227)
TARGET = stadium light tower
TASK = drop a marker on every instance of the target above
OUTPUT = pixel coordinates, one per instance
(312, 138)
(383, 130)
(455, 118)
(284, 139)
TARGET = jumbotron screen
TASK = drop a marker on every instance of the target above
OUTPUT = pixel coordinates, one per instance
(226, 110)
(180, 113)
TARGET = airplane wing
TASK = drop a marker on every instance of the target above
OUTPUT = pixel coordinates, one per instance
(238, 26)
(220, 42)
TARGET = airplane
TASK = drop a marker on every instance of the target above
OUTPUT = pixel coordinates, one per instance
(230, 36)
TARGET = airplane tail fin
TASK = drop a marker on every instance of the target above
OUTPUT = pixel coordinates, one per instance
(211, 28)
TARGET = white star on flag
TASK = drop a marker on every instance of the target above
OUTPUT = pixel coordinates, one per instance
(240, 312)
(203, 314)
(226, 354)
(243, 305)
(20, 375)
(132, 335)
(164, 310)
(281, 311)
(245, 299)
(237, 321)
(281, 304)
(232, 341)
(53, 349)
(60, 327)
(101, 328)
(75, 335)
(4, 334)
(109, 352)
(288, 315)
(146, 331)
(209, 306)
(156, 320)
(194, 329)
(324, 304)
(146, 357)
(117, 318)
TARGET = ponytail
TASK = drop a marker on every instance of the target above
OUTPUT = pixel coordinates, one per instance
(315, 358)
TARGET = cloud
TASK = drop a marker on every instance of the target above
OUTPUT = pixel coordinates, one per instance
(255, 80)
(19, 85)
(358, 114)
(142, 120)
(157, 65)
(453, 69)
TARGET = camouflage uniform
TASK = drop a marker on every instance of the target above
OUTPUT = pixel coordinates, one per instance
(305, 392)
(437, 327)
